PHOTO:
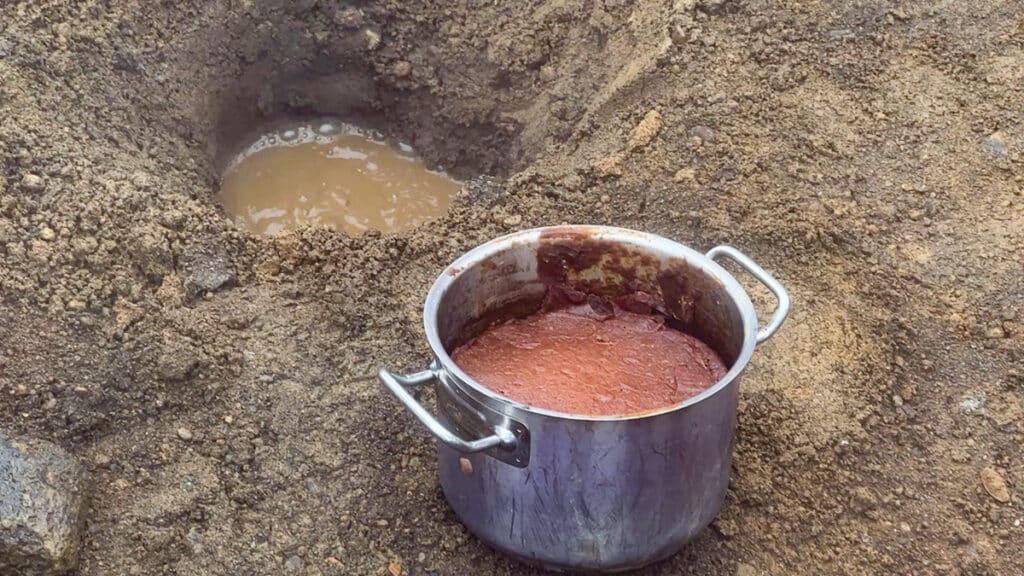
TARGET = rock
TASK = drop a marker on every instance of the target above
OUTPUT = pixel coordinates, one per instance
(47, 233)
(372, 39)
(33, 183)
(43, 493)
(185, 434)
(995, 144)
(645, 131)
(513, 220)
(973, 405)
(994, 484)
(293, 564)
(209, 269)
(704, 134)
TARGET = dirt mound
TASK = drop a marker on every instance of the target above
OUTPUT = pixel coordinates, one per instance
(868, 156)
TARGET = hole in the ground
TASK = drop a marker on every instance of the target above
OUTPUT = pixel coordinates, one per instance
(328, 173)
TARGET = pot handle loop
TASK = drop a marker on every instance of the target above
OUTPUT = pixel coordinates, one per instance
(781, 296)
(398, 385)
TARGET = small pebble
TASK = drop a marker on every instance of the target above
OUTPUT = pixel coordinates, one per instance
(33, 182)
(994, 484)
(995, 333)
(185, 434)
(646, 130)
(703, 134)
(372, 39)
(996, 144)
(513, 220)
(293, 564)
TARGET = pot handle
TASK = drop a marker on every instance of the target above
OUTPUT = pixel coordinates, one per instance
(781, 296)
(398, 385)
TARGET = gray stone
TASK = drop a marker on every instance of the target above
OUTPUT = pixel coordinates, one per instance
(995, 145)
(33, 183)
(43, 494)
(293, 564)
(706, 135)
(209, 269)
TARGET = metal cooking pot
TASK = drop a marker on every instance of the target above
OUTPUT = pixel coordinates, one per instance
(570, 491)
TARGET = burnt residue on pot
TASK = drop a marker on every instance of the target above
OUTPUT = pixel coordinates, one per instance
(679, 296)
(577, 262)
(489, 316)
(575, 265)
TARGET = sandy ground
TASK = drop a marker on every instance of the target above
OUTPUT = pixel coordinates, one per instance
(867, 153)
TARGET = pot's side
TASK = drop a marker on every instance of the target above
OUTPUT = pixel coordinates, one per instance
(604, 495)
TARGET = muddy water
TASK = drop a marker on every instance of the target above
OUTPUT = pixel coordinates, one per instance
(332, 175)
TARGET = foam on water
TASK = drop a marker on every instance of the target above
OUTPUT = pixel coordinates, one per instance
(332, 174)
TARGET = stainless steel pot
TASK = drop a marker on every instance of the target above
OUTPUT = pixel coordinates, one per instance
(570, 491)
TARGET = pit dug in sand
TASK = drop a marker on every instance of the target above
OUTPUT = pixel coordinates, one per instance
(334, 175)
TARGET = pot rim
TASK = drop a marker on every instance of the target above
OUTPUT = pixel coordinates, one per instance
(610, 233)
